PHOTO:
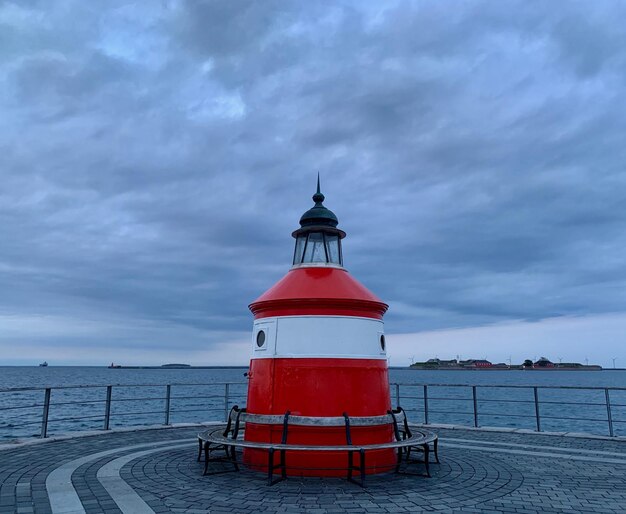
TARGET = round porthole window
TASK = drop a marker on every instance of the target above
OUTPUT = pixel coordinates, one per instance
(382, 342)
(260, 338)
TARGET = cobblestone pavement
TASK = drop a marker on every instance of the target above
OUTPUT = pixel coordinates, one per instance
(156, 471)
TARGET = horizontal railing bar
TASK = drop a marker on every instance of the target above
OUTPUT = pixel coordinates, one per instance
(479, 400)
(455, 399)
(507, 415)
(574, 403)
(23, 406)
(99, 416)
(196, 396)
(196, 410)
(450, 412)
(201, 406)
(205, 383)
(148, 398)
(135, 413)
(510, 386)
(597, 420)
(77, 402)
(38, 422)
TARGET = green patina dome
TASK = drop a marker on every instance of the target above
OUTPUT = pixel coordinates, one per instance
(318, 215)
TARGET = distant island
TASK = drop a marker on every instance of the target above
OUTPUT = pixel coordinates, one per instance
(172, 366)
(543, 364)
(165, 366)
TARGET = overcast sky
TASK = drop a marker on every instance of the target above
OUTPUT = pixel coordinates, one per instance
(155, 157)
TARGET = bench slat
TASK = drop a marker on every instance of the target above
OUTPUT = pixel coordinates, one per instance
(327, 421)
(216, 437)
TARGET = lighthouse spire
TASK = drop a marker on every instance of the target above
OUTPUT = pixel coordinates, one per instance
(319, 215)
(318, 197)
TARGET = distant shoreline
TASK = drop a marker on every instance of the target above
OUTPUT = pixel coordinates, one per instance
(118, 367)
(175, 367)
(517, 369)
(246, 367)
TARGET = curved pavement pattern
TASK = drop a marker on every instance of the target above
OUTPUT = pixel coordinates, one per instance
(156, 471)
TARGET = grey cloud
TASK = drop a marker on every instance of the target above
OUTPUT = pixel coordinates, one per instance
(156, 157)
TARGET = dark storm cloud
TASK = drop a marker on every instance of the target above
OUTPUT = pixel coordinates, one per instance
(155, 158)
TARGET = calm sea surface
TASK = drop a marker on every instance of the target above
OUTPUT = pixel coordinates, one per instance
(139, 397)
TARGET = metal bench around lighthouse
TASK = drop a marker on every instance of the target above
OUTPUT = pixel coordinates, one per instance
(406, 437)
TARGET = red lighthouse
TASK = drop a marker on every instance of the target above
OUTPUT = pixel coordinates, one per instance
(319, 350)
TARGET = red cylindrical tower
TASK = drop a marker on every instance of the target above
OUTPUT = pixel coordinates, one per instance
(319, 350)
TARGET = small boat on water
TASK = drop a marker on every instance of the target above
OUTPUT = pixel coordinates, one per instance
(44, 364)
(115, 366)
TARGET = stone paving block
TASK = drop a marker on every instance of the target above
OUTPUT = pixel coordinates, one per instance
(466, 480)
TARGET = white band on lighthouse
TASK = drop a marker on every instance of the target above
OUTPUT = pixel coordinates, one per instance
(339, 337)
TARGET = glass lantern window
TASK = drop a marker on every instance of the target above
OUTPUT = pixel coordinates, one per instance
(332, 248)
(299, 251)
(315, 250)
(318, 247)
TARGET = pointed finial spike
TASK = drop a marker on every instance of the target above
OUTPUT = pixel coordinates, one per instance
(318, 197)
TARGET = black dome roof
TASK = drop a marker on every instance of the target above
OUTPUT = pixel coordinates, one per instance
(318, 215)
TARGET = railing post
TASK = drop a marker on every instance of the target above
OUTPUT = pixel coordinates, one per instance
(107, 408)
(397, 395)
(537, 418)
(226, 402)
(426, 405)
(608, 411)
(475, 406)
(168, 396)
(46, 411)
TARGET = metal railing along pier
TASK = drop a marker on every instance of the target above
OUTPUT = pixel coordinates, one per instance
(39, 412)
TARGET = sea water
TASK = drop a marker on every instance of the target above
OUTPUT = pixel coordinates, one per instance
(139, 397)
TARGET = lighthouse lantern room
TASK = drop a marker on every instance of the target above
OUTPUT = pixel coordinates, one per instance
(318, 240)
(319, 350)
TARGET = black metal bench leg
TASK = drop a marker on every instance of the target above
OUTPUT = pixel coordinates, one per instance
(435, 445)
(207, 453)
(270, 466)
(362, 463)
(350, 465)
(426, 459)
(233, 457)
(283, 466)
(399, 460)
(199, 449)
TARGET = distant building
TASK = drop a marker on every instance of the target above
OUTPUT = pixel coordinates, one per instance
(481, 363)
(543, 363)
(476, 363)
